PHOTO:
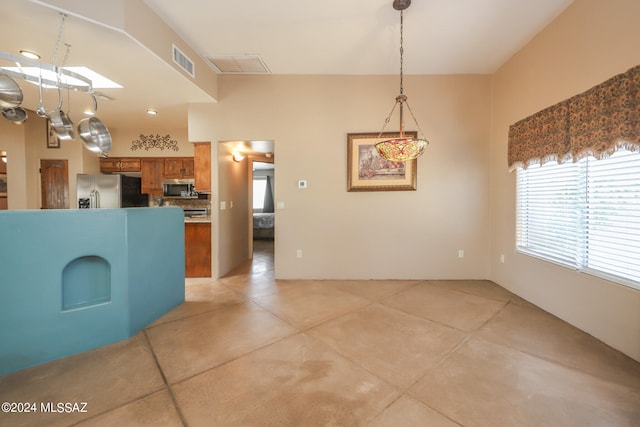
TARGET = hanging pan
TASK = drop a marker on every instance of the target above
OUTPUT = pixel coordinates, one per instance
(16, 115)
(94, 134)
(60, 122)
(10, 92)
(11, 99)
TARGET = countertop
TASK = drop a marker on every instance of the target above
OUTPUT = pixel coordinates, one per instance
(198, 218)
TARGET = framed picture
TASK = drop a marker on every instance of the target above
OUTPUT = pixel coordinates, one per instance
(52, 138)
(367, 171)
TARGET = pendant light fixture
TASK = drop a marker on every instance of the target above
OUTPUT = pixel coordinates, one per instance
(402, 148)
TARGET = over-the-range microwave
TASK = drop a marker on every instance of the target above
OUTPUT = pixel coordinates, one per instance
(183, 187)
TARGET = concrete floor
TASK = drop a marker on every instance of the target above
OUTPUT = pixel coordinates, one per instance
(248, 350)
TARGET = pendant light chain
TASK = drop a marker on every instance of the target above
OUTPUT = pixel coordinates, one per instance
(401, 98)
(401, 51)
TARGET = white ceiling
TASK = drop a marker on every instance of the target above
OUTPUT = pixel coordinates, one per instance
(290, 36)
(361, 36)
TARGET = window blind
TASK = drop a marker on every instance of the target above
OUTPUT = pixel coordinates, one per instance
(547, 212)
(583, 215)
(612, 215)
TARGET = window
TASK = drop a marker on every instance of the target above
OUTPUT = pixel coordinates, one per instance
(584, 215)
(259, 188)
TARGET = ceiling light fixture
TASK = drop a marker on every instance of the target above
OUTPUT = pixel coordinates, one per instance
(29, 54)
(402, 148)
(152, 112)
(238, 157)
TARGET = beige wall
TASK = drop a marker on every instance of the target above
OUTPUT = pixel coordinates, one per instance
(590, 42)
(366, 235)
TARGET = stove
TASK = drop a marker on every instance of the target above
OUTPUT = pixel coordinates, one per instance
(195, 212)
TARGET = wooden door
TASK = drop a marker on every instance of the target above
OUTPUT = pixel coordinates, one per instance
(54, 182)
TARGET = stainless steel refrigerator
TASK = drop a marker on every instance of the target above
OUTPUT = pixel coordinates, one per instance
(109, 191)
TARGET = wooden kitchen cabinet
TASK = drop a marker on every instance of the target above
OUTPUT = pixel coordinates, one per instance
(178, 167)
(202, 166)
(152, 171)
(197, 248)
(119, 164)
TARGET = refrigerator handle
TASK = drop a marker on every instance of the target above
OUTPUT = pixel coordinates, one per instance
(94, 199)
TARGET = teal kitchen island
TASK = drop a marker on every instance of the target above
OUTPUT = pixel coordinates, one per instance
(73, 280)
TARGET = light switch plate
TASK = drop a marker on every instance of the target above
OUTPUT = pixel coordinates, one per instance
(280, 205)
(223, 206)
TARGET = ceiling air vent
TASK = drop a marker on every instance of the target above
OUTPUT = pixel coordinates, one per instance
(183, 61)
(238, 64)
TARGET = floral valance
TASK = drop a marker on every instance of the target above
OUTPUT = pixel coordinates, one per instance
(595, 123)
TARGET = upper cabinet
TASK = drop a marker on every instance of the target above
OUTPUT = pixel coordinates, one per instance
(178, 167)
(152, 175)
(202, 166)
(154, 169)
(119, 164)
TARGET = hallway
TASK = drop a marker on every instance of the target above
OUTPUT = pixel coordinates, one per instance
(249, 350)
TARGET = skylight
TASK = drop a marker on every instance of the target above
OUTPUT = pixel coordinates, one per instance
(98, 81)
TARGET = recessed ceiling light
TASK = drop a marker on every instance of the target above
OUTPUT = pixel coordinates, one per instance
(152, 112)
(29, 54)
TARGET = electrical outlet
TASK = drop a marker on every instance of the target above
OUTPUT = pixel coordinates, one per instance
(502, 258)
(299, 253)
(302, 184)
(223, 206)
(460, 253)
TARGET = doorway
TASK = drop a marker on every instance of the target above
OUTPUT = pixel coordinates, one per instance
(262, 206)
(54, 184)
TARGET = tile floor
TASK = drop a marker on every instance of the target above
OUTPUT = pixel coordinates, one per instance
(247, 350)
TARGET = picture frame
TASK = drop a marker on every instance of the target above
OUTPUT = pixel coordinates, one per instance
(52, 139)
(367, 171)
